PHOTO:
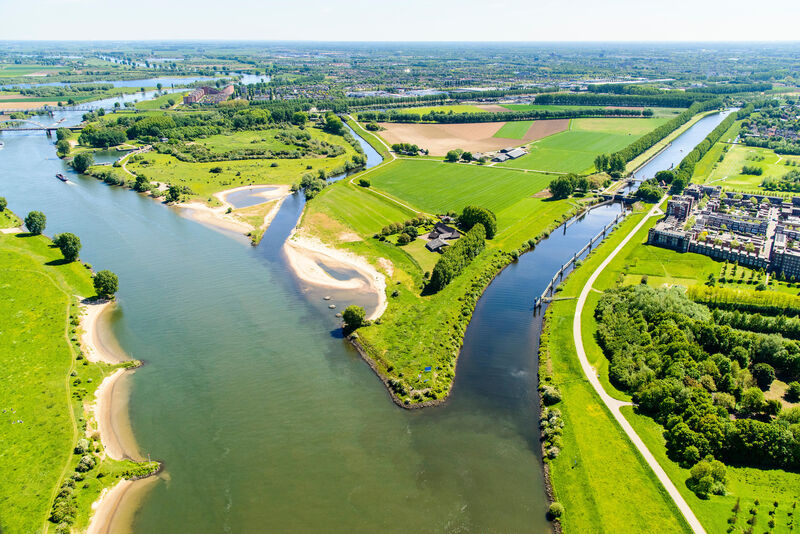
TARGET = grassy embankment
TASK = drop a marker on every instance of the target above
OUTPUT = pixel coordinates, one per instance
(660, 267)
(8, 219)
(48, 386)
(370, 138)
(574, 150)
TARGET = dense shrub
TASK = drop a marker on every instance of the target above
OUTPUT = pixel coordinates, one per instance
(82, 162)
(354, 316)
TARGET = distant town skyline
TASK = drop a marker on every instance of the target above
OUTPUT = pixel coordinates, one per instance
(412, 20)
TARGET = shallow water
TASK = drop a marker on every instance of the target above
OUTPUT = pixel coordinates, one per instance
(267, 420)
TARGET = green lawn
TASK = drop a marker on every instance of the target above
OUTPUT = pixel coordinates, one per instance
(514, 129)
(570, 151)
(438, 187)
(38, 390)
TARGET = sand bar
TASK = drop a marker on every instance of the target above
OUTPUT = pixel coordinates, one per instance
(308, 257)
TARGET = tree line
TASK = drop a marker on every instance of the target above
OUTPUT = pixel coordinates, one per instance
(456, 258)
(501, 116)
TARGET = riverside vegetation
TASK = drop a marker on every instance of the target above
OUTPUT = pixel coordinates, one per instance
(54, 465)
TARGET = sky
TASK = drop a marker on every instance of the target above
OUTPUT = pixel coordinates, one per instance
(403, 20)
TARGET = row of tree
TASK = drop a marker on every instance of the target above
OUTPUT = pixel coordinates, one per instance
(502, 116)
(564, 186)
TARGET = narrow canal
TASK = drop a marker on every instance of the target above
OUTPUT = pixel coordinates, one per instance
(265, 418)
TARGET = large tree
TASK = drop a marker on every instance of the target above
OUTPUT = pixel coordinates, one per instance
(560, 187)
(70, 245)
(473, 215)
(354, 316)
(82, 162)
(106, 284)
(35, 222)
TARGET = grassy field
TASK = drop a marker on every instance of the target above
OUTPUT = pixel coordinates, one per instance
(437, 187)
(161, 101)
(203, 183)
(728, 172)
(744, 485)
(43, 411)
(514, 130)
(661, 267)
(570, 151)
(575, 149)
(598, 476)
(9, 71)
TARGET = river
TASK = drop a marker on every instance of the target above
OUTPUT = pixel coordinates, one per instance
(265, 418)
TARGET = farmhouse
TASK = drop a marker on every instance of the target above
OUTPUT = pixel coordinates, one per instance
(442, 231)
(508, 153)
(436, 245)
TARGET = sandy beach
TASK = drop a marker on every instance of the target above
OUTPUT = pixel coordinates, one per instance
(219, 218)
(308, 256)
(106, 414)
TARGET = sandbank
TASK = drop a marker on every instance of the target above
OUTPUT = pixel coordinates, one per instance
(307, 257)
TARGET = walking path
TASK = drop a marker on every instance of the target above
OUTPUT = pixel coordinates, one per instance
(613, 404)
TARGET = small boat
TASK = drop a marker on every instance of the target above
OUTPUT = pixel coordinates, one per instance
(61, 177)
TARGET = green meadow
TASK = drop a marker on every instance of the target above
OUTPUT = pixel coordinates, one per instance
(728, 172)
(9, 71)
(514, 130)
(437, 187)
(161, 101)
(45, 383)
(8, 219)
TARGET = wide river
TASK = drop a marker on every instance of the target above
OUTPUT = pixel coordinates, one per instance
(265, 418)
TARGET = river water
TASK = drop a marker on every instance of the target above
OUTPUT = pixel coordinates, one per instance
(265, 418)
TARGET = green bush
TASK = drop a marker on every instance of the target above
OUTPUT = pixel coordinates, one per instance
(555, 511)
(35, 222)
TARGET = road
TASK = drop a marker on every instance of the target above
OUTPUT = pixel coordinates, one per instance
(615, 405)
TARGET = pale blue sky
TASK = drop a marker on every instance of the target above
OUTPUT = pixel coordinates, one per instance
(404, 20)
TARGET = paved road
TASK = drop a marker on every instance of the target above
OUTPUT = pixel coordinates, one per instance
(613, 404)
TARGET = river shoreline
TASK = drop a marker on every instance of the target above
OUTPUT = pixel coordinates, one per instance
(107, 396)
(305, 256)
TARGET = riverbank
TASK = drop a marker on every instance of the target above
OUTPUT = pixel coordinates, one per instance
(308, 256)
(107, 415)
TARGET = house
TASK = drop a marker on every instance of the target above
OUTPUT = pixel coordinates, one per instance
(442, 231)
(500, 158)
(506, 150)
(436, 245)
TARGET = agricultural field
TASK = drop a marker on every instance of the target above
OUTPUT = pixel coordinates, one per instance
(728, 172)
(474, 137)
(514, 130)
(38, 399)
(574, 150)
(33, 71)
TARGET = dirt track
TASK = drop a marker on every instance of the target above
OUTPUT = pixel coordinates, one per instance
(475, 137)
